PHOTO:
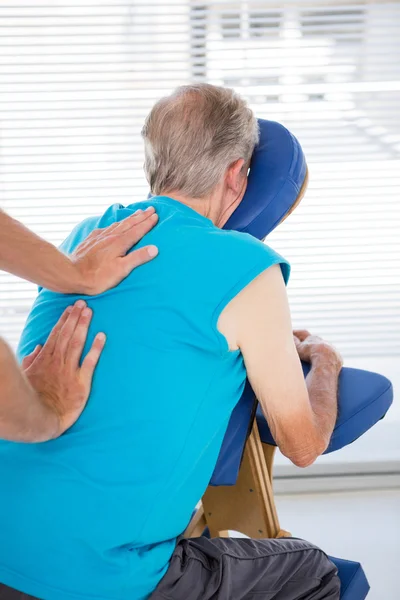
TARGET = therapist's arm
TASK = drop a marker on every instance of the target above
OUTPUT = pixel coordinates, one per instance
(301, 414)
(98, 264)
(46, 397)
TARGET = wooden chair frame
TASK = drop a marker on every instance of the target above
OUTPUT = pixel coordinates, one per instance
(249, 505)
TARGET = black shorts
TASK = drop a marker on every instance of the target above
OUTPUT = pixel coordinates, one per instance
(240, 569)
(244, 569)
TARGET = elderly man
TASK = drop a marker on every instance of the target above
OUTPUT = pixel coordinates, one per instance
(100, 511)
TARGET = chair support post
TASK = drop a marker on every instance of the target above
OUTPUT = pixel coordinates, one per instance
(249, 505)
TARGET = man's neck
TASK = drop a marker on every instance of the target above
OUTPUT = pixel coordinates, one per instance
(208, 206)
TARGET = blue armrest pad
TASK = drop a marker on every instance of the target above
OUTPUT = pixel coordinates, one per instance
(364, 398)
(353, 582)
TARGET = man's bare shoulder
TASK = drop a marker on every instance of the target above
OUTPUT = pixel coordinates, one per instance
(263, 299)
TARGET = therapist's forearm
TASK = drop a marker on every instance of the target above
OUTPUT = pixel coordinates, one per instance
(23, 417)
(26, 255)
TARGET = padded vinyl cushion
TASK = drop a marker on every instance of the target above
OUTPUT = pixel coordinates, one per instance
(354, 584)
(277, 173)
(230, 456)
(364, 398)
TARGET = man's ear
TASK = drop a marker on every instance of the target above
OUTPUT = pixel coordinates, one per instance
(235, 174)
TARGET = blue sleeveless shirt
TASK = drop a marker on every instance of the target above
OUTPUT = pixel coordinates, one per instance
(95, 513)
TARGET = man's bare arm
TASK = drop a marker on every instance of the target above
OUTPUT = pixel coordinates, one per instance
(99, 263)
(301, 417)
(41, 401)
(322, 379)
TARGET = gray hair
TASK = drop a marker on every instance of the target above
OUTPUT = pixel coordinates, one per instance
(192, 136)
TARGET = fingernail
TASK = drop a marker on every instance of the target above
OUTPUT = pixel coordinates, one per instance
(152, 250)
(69, 309)
(101, 337)
(80, 303)
(86, 312)
(139, 210)
(149, 208)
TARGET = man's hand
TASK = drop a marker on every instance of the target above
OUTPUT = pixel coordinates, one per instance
(61, 384)
(101, 261)
(311, 348)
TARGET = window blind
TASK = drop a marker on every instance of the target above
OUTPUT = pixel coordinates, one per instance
(78, 77)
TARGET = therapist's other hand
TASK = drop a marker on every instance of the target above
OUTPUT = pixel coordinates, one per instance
(101, 260)
(54, 371)
(312, 348)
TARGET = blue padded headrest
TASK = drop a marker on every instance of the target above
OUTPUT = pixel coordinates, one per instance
(277, 173)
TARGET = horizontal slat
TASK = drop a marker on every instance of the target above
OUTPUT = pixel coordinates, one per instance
(82, 127)
(327, 110)
(111, 87)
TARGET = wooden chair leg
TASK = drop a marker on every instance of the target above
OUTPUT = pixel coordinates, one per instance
(269, 455)
(197, 525)
(248, 506)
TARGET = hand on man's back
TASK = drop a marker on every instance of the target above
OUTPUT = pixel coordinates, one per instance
(101, 259)
(54, 371)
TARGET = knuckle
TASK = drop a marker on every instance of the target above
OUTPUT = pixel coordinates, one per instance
(76, 342)
(144, 226)
(65, 334)
(80, 394)
(55, 362)
(136, 255)
(90, 361)
(85, 319)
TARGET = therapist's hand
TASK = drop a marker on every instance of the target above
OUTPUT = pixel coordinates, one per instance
(54, 370)
(101, 261)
